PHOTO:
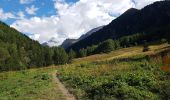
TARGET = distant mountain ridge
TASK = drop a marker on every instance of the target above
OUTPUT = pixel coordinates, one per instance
(90, 32)
(51, 42)
(152, 18)
(68, 42)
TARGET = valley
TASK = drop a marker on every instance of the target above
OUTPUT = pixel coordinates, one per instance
(120, 54)
(93, 77)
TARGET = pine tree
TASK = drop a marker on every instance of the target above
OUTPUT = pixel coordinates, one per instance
(106, 46)
(60, 56)
(4, 54)
(71, 54)
(82, 52)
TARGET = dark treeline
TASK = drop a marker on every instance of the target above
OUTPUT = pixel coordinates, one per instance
(17, 51)
(151, 35)
(110, 45)
(151, 19)
(123, 42)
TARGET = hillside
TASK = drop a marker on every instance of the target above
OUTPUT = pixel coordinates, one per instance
(15, 47)
(128, 59)
(69, 42)
(17, 51)
(90, 33)
(124, 74)
(99, 77)
(153, 20)
(124, 53)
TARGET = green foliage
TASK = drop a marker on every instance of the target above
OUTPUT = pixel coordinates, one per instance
(130, 85)
(31, 84)
(106, 46)
(48, 56)
(110, 45)
(137, 79)
(60, 56)
(91, 49)
(82, 52)
(18, 52)
(4, 54)
(71, 54)
(45, 77)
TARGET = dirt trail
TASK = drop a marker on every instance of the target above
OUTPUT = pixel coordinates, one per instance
(65, 92)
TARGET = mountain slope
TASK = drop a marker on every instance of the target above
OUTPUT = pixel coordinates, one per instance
(151, 19)
(51, 42)
(68, 42)
(90, 33)
(17, 51)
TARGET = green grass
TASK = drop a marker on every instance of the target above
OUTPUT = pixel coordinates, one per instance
(122, 53)
(121, 74)
(134, 78)
(34, 84)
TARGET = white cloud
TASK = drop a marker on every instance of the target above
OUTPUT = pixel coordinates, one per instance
(26, 1)
(31, 10)
(45, 27)
(141, 3)
(21, 14)
(34, 36)
(5, 15)
(73, 20)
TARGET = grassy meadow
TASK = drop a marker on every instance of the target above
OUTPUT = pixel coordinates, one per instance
(33, 84)
(123, 74)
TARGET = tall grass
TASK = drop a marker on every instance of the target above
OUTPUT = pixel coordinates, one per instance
(34, 84)
(137, 77)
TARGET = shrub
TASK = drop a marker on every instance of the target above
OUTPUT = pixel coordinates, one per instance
(45, 77)
(106, 46)
(145, 46)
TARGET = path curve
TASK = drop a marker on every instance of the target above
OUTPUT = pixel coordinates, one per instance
(63, 89)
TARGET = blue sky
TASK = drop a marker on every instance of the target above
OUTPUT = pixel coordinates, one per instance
(43, 20)
(45, 7)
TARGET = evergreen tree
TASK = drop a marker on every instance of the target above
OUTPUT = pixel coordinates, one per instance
(91, 50)
(71, 54)
(48, 56)
(82, 52)
(106, 46)
(17, 51)
(60, 56)
(116, 44)
(4, 54)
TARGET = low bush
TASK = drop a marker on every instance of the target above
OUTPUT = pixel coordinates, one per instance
(137, 79)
